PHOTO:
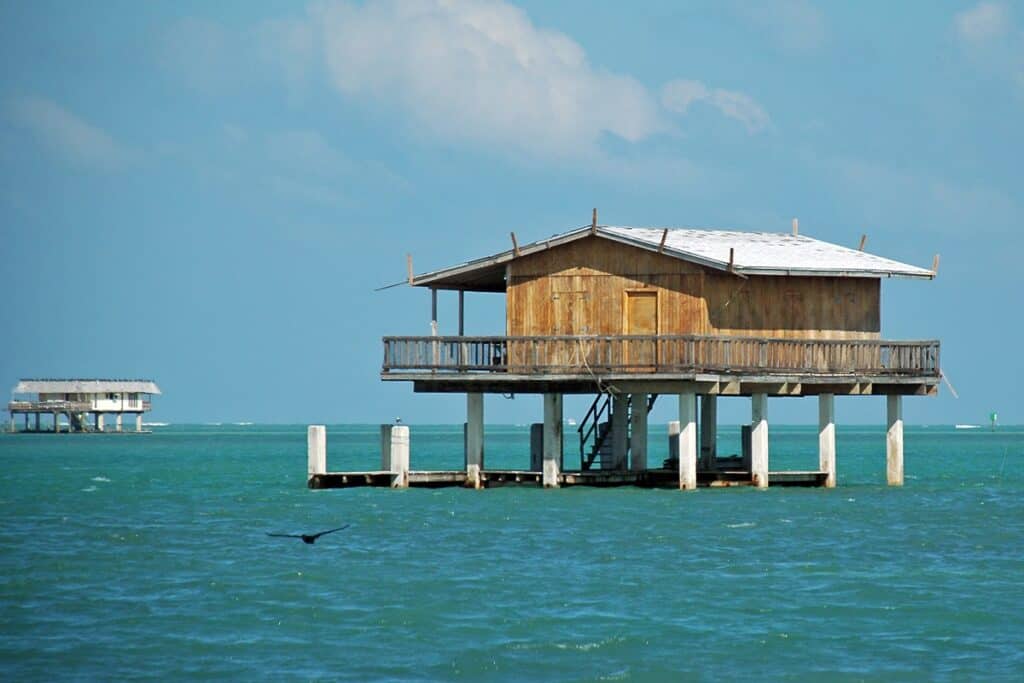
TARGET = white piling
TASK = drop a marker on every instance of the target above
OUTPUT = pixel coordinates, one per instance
(400, 456)
(316, 450)
(759, 440)
(474, 439)
(687, 441)
(552, 440)
(827, 438)
(894, 441)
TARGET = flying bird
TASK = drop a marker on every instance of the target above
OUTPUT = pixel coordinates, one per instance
(309, 538)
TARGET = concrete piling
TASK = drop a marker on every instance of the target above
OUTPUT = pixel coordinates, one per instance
(827, 438)
(759, 440)
(316, 450)
(474, 439)
(894, 441)
(687, 441)
(552, 440)
(400, 456)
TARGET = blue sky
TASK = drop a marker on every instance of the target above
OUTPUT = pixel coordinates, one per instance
(208, 193)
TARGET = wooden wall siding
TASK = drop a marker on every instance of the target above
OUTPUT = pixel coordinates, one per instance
(581, 289)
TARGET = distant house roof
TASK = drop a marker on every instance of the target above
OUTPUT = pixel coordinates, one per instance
(753, 253)
(86, 386)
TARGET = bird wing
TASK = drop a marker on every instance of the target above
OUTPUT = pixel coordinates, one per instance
(284, 535)
(331, 531)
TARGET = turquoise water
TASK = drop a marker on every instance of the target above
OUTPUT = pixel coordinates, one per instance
(146, 556)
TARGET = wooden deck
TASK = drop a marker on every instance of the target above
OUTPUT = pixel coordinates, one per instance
(663, 364)
(660, 478)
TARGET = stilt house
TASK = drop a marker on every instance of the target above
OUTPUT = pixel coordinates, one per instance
(78, 399)
(632, 313)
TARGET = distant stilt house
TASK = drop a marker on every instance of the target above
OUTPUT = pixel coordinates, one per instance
(629, 314)
(84, 403)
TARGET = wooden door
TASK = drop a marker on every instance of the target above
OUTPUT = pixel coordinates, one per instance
(641, 318)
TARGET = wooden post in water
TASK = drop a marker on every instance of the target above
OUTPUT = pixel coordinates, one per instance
(827, 438)
(687, 440)
(759, 440)
(638, 433)
(894, 441)
(474, 439)
(119, 422)
(552, 440)
(316, 450)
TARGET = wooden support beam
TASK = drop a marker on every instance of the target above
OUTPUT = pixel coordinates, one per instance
(732, 264)
(462, 312)
(408, 266)
(638, 433)
(796, 227)
(664, 236)
(935, 265)
(433, 311)
(515, 245)
(863, 241)
(620, 431)
(593, 223)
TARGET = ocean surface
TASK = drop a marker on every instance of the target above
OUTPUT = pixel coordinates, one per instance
(146, 556)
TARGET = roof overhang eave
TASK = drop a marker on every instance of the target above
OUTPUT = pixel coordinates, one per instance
(811, 272)
(446, 278)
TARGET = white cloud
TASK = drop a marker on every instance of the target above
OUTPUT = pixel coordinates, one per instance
(459, 71)
(983, 22)
(678, 95)
(70, 138)
(480, 69)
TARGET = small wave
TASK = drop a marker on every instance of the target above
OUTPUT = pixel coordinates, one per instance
(243, 424)
(100, 479)
(741, 525)
(156, 424)
(89, 489)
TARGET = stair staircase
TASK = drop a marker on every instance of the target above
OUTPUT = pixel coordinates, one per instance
(596, 433)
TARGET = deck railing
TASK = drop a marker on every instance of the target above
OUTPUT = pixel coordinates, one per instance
(49, 406)
(659, 354)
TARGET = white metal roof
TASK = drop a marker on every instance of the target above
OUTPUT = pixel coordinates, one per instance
(767, 253)
(86, 386)
(753, 253)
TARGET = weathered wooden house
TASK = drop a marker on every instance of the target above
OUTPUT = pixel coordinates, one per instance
(632, 313)
(77, 399)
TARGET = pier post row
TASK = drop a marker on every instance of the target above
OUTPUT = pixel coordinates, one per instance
(79, 399)
(637, 315)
